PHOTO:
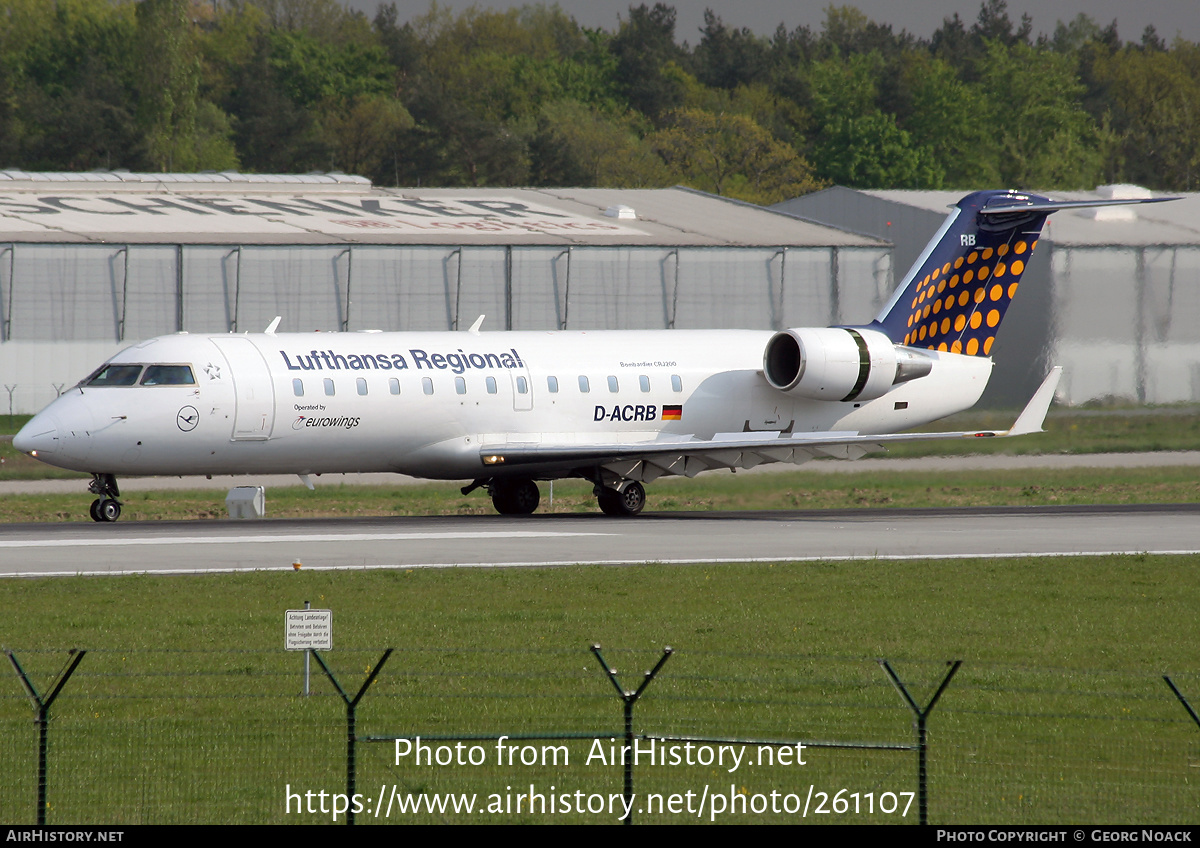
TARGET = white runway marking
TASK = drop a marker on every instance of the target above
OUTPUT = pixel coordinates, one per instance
(612, 562)
(314, 537)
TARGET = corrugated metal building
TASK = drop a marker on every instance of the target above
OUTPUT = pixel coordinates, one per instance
(1113, 294)
(90, 263)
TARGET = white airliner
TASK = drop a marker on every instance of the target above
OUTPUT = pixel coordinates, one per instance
(506, 409)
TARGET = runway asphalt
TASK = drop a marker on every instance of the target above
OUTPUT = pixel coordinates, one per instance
(560, 540)
(557, 540)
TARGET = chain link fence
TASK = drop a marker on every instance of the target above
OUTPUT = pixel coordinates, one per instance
(175, 737)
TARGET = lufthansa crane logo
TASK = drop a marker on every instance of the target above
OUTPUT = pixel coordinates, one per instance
(187, 418)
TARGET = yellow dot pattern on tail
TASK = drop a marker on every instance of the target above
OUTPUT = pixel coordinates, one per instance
(958, 306)
(956, 299)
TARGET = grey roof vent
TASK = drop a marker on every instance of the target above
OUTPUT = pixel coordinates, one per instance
(621, 212)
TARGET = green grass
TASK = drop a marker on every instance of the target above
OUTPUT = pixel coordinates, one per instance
(1071, 431)
(10, 424)
(1119, 612)
(713, 491)
(186, 709)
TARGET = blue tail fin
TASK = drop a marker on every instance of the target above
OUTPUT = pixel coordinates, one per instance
(956, 294)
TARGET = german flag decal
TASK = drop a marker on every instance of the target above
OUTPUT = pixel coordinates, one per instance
(672, 413)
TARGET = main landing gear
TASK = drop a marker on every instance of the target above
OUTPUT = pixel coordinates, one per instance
(106, 507)
(520, 496)
(514, 497)
(627, 502)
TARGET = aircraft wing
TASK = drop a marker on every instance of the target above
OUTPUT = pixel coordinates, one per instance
(688, 455)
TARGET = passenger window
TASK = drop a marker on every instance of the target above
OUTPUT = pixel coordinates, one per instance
(612, 384)
(427, 385)
(491, 385)
(168, 375)
(552, 384)
(522, 386)
(362, 385)
(644, 382)
(298, 387)
(583, 384)
(676, 383)
(115, 375)
(394, 385)
(460, 385)
(329, 386)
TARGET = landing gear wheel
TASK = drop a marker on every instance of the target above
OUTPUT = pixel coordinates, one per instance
(106, 510)
(106, 507)
(627, 503)
(516, 497)
(609, 501)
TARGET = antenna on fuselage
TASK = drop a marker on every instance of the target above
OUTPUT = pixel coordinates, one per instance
(474, 328)
(270, 331)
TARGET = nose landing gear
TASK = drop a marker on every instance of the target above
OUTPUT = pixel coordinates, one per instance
(106, 507)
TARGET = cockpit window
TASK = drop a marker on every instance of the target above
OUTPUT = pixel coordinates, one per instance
(168, 375)
(115, 375)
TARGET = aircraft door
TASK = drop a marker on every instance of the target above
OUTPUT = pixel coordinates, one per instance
(254, 416)
(522, 389)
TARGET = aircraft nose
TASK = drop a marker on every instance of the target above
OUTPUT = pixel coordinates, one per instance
(40, 435)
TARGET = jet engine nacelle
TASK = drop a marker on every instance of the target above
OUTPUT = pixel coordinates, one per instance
(838, 363)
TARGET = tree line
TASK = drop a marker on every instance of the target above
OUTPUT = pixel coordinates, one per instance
(529, 97)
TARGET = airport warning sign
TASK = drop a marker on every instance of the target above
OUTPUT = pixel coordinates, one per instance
(308, 630)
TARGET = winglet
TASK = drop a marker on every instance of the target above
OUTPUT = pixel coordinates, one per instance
(270, 331)
(1031, 417)
(474, 328)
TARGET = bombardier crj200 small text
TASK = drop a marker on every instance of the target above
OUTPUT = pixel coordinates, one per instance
(507, 409)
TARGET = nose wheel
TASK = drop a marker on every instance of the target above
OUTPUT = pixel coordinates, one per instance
(105, 510)
(106, 507)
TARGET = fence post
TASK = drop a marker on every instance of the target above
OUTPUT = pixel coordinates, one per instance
(42, 707)
(351, 737)
(629, 699)
(1182, 700)
(922, 716)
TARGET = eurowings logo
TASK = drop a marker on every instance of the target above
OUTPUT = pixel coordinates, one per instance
(306, 421)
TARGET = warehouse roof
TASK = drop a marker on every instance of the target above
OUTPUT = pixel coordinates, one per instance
(1174, 223)
(231, 208)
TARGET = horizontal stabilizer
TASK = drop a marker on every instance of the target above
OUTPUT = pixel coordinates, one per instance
(1049, 206)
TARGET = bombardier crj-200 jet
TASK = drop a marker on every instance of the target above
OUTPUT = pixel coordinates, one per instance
(507, 409)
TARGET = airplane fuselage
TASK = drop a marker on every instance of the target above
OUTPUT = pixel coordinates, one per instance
(425, 404)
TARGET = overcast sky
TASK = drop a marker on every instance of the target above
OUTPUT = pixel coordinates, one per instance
(919, 18)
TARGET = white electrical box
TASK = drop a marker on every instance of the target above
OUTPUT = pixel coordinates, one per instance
(246, 502)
